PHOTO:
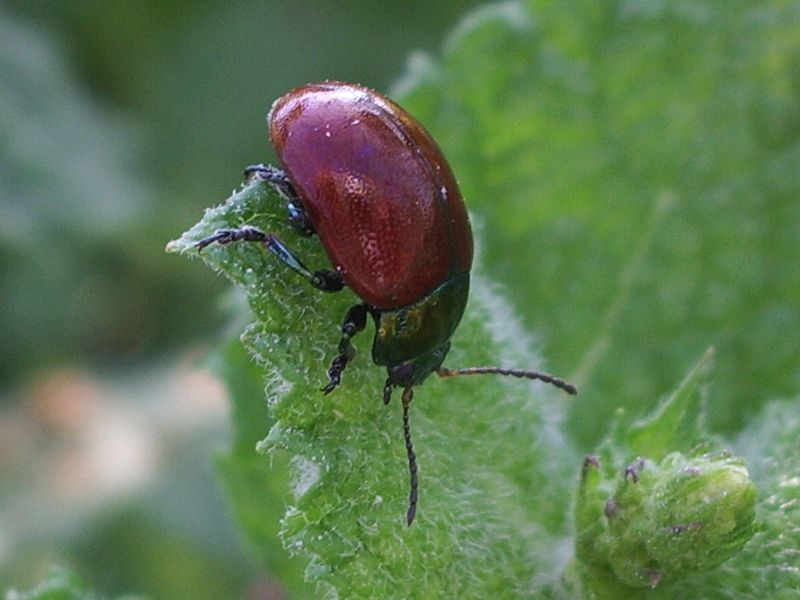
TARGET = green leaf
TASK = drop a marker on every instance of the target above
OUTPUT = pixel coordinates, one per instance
(677, 423)
(487, 517)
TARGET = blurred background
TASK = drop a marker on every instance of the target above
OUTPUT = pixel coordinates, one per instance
(119, 122)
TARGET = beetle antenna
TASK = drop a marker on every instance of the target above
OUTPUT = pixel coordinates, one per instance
(408, 395)
(522, 373)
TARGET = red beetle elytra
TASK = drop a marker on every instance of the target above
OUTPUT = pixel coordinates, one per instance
(363, 175)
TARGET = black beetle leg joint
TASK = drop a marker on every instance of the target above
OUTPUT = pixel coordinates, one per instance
(346, 349)
(327, 281)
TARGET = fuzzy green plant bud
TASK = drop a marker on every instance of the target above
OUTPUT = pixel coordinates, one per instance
(664, 520)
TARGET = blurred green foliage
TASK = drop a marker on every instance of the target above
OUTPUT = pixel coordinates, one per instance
(82, 273)
(60, 584)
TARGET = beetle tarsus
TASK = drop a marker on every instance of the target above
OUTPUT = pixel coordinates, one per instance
(387, 391)
(274, 176)
(335, 373)
(354, 322)
(326, 280)
(278, 179)
(235, 234)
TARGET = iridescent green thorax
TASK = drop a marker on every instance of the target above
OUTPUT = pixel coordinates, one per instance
(420, 328)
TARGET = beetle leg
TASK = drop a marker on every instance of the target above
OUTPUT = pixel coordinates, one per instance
(326, 280)
(274, 176)
(387, 391)
(354, 322)
(280, 181)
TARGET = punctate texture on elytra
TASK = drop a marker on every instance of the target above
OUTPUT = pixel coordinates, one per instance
(377, 189)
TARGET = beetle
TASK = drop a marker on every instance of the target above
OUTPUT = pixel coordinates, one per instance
(364, 176)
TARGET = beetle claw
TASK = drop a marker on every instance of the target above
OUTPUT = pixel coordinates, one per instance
(246, 233)
(387, 391)
(329, 387)
(222, 236)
